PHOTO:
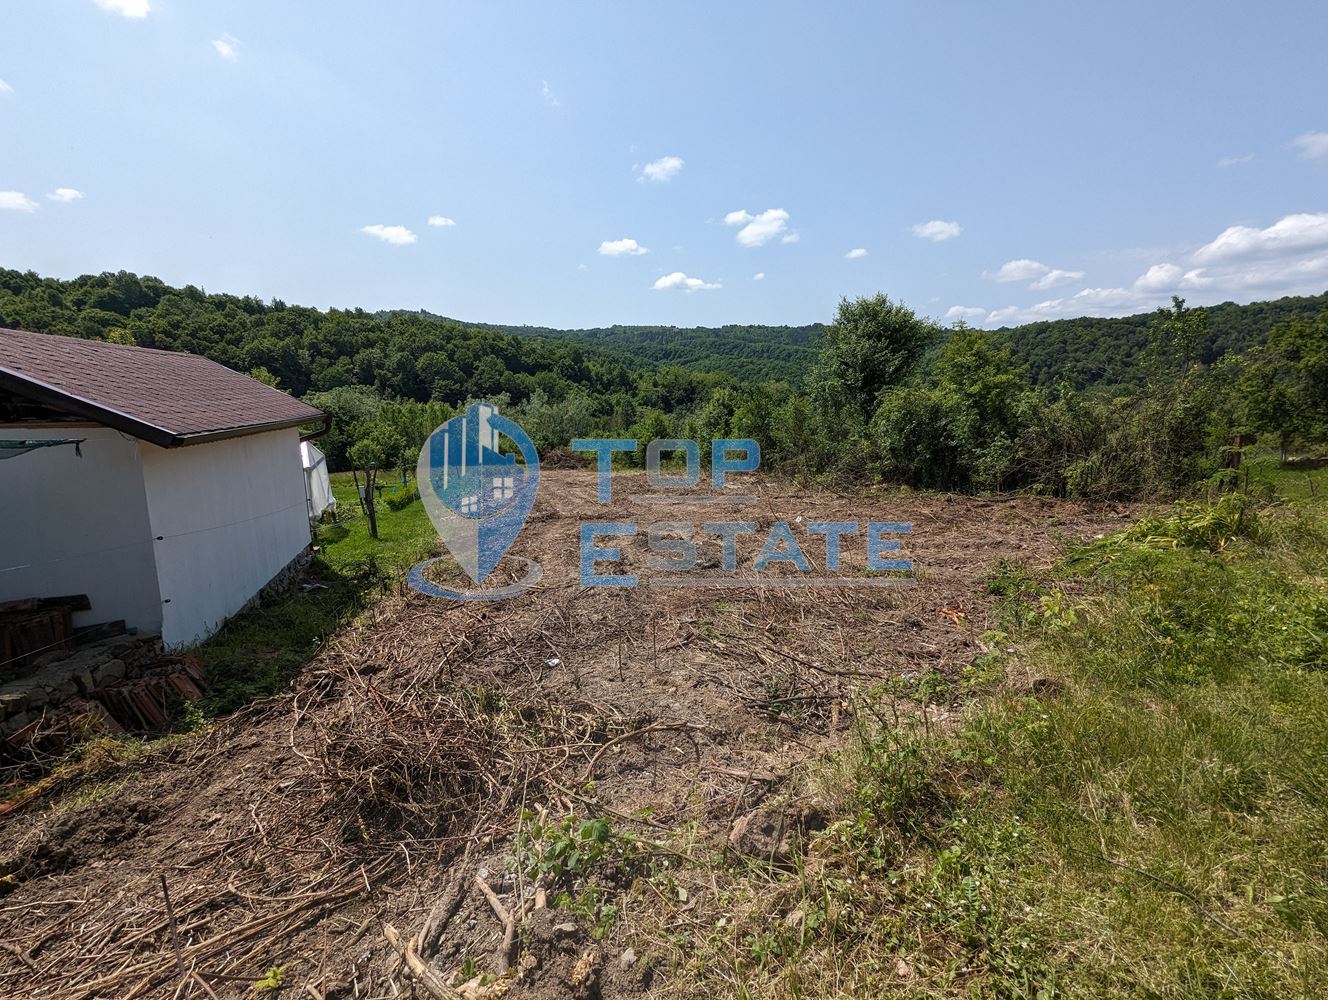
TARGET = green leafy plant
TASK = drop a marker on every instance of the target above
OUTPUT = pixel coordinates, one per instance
(563, 849)
(272, 980)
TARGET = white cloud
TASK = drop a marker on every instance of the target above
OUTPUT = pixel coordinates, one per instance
(857, 253)
(790, 238)
(965, 313)
(1312, 145)
(662, 170)
(1234, 161)
(623, 247)
(1022, 269)
(1000, 317)
(5, 88)
(758, 230)
(1055, 276)
(678, 280)
(1039, 275)
(1086, 302)
(16, 201)
(129, 8)
(441, 220)
(549, 97)
(398, 236)
(759, 276)
(937, 230)
(1094, 298)
(1159, 278)
(228, 47)
(1292, 233)
(1289, 257)
(65, 194)
(1306, 275)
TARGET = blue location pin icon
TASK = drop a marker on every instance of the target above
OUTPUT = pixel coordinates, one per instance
(477, 497)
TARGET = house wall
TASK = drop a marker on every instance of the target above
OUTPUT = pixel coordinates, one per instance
(229, 516)
(71, 525)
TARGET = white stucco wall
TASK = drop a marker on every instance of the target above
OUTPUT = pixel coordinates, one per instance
(230, 515)
(71, 525)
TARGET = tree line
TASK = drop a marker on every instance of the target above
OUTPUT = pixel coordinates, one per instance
(883, 393)
(893, 397)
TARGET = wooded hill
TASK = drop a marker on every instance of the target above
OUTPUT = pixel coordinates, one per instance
(747, 353)
(1087, 350)
(1110, 351)
(420, 355)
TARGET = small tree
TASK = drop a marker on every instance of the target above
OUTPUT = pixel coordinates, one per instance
(413, 422)
(1178, 336)
(351, 408)
(873, 346)
(378, 445)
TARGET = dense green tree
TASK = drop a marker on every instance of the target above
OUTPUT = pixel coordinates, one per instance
(873, 344)
(1285, 383)
(553, 424)
(412, 422)
(349, 406)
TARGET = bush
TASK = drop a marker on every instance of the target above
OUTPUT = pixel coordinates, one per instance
(402, 499)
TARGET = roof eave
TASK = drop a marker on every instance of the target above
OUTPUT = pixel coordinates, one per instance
(48, 395)
(203, 437)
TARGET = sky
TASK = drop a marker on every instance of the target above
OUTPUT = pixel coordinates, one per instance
(585, 164)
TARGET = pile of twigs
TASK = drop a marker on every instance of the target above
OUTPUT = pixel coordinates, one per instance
(416, 761)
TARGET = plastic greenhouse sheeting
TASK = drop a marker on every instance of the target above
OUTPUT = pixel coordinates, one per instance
(317, 486)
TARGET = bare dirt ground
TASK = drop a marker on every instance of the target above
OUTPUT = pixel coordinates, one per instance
(338, 831)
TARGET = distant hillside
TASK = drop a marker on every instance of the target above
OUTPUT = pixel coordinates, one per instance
(1088, 350)
(1109, 350)
(747, 353)
(420, 355)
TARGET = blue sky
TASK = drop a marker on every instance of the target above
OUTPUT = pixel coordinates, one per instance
(999, 162)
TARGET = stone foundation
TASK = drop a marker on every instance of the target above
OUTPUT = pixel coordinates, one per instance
(283, 583)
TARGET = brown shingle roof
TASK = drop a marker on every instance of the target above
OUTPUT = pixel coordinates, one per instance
(165, 397)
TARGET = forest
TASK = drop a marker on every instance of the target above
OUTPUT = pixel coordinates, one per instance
(1141, 406)
(1087, 349)
(748, 353)
(1092, 350)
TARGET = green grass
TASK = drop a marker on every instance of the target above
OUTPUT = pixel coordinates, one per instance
(1178, 787)
(1153, 822)
(404, 536)
(1264, 472)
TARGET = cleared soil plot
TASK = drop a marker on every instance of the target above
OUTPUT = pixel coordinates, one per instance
(568, 747)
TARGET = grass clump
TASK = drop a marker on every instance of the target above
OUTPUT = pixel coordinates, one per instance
(1155, 823)
(1178, 784)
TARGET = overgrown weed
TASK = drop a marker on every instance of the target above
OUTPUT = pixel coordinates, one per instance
(1153, 824)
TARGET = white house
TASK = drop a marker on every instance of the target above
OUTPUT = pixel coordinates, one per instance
(166, 487)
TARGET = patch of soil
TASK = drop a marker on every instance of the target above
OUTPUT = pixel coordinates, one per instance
(414, 747)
